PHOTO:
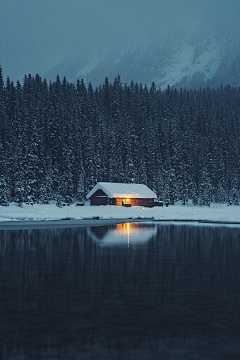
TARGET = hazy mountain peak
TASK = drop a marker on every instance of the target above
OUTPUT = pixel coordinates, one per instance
(186, 59)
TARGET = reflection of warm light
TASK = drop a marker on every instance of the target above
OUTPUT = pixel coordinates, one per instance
(133, 230)
(128, 231)
(128, 228)
(125, 229)
(127, 200)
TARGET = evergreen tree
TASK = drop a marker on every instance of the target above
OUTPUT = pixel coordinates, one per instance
(205, 191)
(4, 192)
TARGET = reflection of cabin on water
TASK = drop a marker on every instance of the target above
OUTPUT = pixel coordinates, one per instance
(121, 195)
(123, 233)
(101, 231)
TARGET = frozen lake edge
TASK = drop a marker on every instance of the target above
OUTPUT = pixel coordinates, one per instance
(64, 224)
(50, 216)
(75, 223)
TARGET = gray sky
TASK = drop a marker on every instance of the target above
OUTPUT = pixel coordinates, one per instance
(36, 35)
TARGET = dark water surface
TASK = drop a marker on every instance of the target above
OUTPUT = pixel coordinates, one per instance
(127, 291)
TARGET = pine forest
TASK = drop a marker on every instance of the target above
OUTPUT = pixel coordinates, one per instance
(58, 139)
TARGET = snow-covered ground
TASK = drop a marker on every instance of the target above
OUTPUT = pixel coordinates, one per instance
(215, 213)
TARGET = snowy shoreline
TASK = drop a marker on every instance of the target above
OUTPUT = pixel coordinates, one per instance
(217, 213)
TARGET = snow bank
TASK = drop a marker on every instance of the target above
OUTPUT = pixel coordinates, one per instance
(216, 213)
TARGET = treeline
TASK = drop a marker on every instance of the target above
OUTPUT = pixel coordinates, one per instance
(57, 140)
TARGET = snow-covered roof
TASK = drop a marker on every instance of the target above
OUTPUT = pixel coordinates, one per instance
(118, 190)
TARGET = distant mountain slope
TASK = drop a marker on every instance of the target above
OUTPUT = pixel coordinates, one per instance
(209, 58)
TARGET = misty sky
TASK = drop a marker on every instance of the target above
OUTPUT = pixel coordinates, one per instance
(36, 35)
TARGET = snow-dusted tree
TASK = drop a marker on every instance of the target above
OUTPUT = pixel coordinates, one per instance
(113, 157)
(141, 170)
(31, 171)
(20, 189)
(89, 158)
(80, 187)
(234, 195)
(4, 192)
(59, 200)
(205, 189)
(45, 191)
(130, 169)
(221, 194)
(194, 195)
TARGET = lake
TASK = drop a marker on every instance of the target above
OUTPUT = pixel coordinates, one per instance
(127, 291)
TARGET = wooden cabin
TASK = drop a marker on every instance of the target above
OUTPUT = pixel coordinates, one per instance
(118, 194)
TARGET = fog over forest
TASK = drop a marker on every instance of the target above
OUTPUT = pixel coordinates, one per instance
(37, 36)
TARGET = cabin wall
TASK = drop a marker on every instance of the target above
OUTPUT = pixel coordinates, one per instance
(119, 202)
(136, 202)
(99, 198)
(146, 202)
